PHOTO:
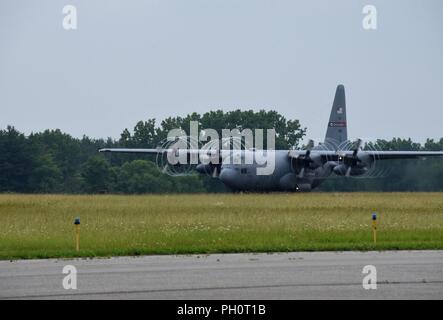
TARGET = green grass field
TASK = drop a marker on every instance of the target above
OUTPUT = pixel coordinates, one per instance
(41, 226)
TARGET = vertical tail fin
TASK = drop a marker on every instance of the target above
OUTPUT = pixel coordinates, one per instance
(337, 131)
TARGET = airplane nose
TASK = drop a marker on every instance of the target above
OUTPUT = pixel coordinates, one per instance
(227, 176)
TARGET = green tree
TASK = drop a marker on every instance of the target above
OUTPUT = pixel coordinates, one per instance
(45, 177)
(16, 161)
(142, 176)
(98, 175)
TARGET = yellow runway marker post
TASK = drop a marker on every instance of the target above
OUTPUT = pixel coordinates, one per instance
(77, 234)
(374, 227)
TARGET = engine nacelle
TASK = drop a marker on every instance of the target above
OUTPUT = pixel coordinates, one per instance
(205, 168)
(209, 169)
(358, 171)
(342, 169)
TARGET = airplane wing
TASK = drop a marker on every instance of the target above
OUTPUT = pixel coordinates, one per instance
(348, 163)
(354, 162)
(174, 155)
(386, 155)
(127, 150)
(328, 155)
(176, 151)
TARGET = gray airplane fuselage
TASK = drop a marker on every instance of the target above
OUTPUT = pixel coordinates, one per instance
(285, 176)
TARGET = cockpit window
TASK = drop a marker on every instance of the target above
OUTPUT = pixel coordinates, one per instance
(244, 171)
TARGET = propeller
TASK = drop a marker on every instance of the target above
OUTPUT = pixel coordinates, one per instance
(308, 162)
(215, 172)
(210, 159)
(210, 169)
(355, 164)
(355, 160)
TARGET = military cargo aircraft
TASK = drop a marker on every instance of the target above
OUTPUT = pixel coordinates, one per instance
(293, 170)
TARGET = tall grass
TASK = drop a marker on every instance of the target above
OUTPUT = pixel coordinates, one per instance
(41, 226)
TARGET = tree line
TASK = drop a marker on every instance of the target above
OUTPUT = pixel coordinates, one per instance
(55, 162)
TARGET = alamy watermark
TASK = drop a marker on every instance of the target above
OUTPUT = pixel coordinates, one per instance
(70, 17)
(370, 280)
(369, 21)
(235, 146)
(70, 280)
(69, 21)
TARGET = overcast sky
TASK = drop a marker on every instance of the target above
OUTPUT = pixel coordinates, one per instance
(134, 60)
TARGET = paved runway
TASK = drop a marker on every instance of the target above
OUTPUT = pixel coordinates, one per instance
(317, 275)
